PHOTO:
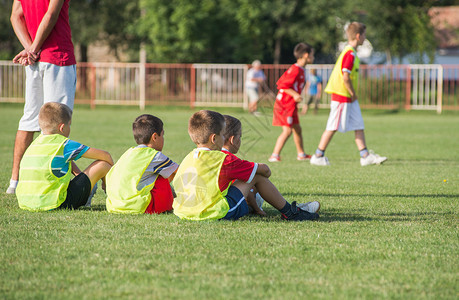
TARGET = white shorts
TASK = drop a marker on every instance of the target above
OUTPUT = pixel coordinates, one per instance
(46, 82)
(345, 117)
(253, 95)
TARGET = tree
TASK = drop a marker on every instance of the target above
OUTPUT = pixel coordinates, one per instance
(9, 44)
(235, 31)
(281, 24)
(111, 21)
(188, 31)
(401, 27)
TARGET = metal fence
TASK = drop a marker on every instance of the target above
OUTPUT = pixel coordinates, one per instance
(429, 87)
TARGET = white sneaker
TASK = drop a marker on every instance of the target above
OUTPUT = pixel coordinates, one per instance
(12, 187)
(372, 159)
(259, 200)
(311, 207)
(274, 158)
(11, 190)
(319, 161)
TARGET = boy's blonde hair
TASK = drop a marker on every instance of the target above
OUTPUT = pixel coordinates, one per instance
(52, 114)
(300, 49)
(145, 126)
(203, 124)
(233, 127)
(355, 28)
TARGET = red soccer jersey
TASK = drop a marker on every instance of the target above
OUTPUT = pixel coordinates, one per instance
(346, 66)
(58, 47)
(235, 168)
(285, 108)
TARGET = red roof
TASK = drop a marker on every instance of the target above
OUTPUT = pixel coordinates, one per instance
(445, 21)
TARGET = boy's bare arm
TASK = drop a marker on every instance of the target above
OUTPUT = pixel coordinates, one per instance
(263, 170)
(295, 95)
(98, 154)
(170, 178)
(75, 169)
(348, 85)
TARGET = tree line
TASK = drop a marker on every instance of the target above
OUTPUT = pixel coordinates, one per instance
(239, 31)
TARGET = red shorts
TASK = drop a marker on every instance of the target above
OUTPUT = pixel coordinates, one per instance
(161, 197)
(285, 113)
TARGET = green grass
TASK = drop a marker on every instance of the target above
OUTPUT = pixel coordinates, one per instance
(387, 231)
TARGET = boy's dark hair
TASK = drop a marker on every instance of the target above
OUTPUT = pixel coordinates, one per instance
(233, 127)
(144, 126)
(203, 124)
(354, 28)
(301, 49)
(52, 114)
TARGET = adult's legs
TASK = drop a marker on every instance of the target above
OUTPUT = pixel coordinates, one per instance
(21, 143)
(28, 124)
(253, 106)
(316, 105)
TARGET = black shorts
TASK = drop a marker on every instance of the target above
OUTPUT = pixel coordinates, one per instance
(313, 98)
(78, 192)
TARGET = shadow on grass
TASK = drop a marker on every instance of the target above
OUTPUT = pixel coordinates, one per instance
(370, 195)
(336, 215)
(95, 207)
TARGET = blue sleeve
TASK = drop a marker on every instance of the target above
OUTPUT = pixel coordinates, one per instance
(74, 150)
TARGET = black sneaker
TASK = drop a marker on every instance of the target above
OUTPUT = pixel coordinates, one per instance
(298, 214)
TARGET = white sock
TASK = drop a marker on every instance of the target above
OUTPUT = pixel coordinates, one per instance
(13, 183)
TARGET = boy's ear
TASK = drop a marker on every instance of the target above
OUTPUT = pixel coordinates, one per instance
(153, 137)
(231, 139)
(61, 127)
(212, 138)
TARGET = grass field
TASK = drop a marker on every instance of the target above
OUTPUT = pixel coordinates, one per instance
(387, 231)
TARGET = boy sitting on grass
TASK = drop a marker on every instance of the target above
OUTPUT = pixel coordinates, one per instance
(48, 163)
(233, 135)
(212, 185)
(139, 182)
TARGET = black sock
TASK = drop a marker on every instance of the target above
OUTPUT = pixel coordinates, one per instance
(286, 210)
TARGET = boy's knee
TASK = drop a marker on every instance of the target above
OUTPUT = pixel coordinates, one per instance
(105, 166)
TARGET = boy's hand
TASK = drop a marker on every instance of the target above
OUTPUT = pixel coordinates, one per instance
(104, 185)
(75, 170)
(263, 170)
(296, 97)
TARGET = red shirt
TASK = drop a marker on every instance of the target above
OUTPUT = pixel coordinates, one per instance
(235, 168)
(285, 111)
(58, 47)
(293, 79)
(346, 66)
